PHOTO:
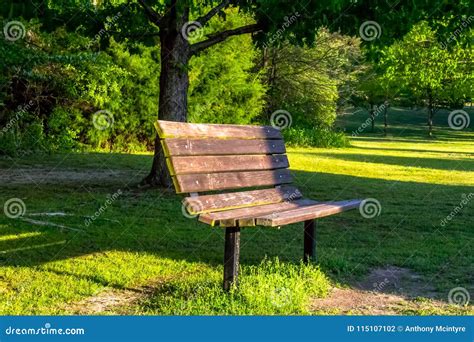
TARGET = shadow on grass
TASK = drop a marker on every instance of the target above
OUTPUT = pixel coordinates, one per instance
(405, 122)
(413, 150)
(464, 164)
(407, 233)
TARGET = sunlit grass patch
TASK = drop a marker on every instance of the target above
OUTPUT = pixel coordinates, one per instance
(270, 288)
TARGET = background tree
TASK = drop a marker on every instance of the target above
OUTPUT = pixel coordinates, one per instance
(307, 81)
(432, 75)
(374, 91)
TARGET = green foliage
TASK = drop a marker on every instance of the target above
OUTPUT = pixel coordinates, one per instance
(64, 126)
(222, 88)
(67, 86)
(429, 73)
(308, 81)
(223, 85)
(318, 137)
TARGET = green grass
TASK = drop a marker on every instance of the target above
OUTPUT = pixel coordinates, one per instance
(141, 237)
(270, 287)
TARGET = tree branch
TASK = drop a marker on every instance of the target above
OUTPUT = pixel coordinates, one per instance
(154, 17)
(134, 34)
(221, 36)
(205, 18)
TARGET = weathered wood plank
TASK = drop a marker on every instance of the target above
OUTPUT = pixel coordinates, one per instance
(231, 180)
(241, 199)
(246, 216)
(210, 164)
(199, 147)
(306, 213)
(172, 129)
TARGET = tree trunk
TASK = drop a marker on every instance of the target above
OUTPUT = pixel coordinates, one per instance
(372, 117)
(430, 113)
(430, 121)
(385, 119)
(430, 117)
(173, 98)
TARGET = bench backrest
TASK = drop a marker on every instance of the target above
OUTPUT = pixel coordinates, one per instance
(210, 157)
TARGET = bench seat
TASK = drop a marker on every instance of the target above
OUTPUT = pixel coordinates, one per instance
(238, 176)
(277, 214)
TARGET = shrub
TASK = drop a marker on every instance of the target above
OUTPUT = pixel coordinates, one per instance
(316, 137)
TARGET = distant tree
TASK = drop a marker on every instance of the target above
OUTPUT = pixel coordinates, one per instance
(375, 92)
(307, 81)
(431, 74)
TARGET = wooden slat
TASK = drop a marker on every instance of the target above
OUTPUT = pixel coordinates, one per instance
(246, 216)
(241, 199)
(199, 147)
(231, 180)
(210, 164)
(171, 129)
(306, 213)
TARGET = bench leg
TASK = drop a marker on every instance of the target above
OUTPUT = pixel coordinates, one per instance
(231, 256)
(309, 241)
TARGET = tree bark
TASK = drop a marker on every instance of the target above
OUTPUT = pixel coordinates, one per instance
(174, 80)
(372, 117)
(430, 121)
(174, 84)
(430, 113)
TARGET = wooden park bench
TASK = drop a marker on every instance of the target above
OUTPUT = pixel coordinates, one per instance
(213, 158)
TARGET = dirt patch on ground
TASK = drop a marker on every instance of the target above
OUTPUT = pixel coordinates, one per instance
(47, 176)
(397, 280)
(354, 301)
(111, 301)
(384, 291)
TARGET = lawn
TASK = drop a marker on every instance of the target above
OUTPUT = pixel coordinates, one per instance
(108, 247)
